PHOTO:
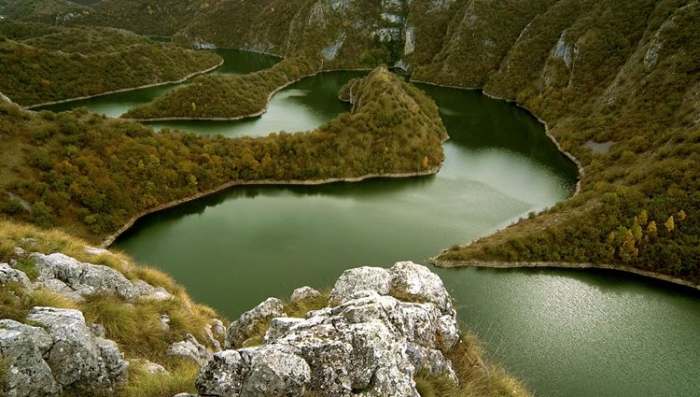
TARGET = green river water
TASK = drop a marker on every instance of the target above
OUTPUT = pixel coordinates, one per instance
(564, 332)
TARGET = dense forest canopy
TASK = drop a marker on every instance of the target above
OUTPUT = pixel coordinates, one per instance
(42, 63)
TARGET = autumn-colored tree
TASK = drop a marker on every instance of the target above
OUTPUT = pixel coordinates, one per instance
(652, 230)
(670, 224)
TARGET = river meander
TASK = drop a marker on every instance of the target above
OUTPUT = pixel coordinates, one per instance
(564, 332)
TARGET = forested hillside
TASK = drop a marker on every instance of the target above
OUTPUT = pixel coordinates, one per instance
(623, 75)
(90, 175)
(42, 63)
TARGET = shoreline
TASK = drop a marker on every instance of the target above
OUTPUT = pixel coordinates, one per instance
(244, 116)
(110, 239)
(448, 264)
(122, 90)
(569, 155)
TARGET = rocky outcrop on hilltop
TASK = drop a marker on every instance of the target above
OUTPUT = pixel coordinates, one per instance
(380, 328)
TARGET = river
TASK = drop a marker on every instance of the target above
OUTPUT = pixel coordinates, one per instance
(564, 332)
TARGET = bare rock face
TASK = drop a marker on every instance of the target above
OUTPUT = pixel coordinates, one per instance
(381, 328)
(58, 353)
(240, 330)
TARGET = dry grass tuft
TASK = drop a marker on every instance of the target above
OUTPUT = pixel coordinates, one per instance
(476, 377)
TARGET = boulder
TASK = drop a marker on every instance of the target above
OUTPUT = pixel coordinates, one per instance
(304, 294)
(224, 374)
(375, 279)
(82, 278)
(275, 373)
(251, 321)
(11, 275)
(417, 283)
(217, 327)
(370, 343)
(79, 360)
(21, 351)
(190, 348)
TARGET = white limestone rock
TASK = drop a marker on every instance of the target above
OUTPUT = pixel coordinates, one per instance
(82, 278)
(21, 349)
(190, 348)
(303, 294)
(240, 330)
(370, 341)
(79, 360)
(358, 279)
(11, 275)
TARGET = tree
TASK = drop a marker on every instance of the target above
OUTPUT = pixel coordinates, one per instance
(682, 216)
(670, 224)
(651, 230)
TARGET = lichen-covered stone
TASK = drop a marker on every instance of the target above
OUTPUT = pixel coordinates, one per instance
(190, 348)
(79, 360)
(11, 275)
(248, 324)
(21, 351)
(375, 279)
(303, 294)
(370, 341)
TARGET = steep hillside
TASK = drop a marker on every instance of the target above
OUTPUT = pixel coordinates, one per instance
(47, 11)
(42, 63)
(618, 83)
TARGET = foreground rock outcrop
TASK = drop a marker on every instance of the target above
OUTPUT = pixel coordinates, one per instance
(381, 328)
(58, 353)
(67, 325)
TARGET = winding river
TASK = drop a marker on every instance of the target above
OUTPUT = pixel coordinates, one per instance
(564, 332)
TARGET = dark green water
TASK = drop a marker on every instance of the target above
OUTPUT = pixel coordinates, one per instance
(565, 333)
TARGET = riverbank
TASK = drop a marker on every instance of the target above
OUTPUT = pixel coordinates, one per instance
(122, 90)
(263, 182)
(569, 155)
(562, 265)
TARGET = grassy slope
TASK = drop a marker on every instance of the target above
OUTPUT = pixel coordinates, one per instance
(91, 175)
(43, 64)
(134, 326)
